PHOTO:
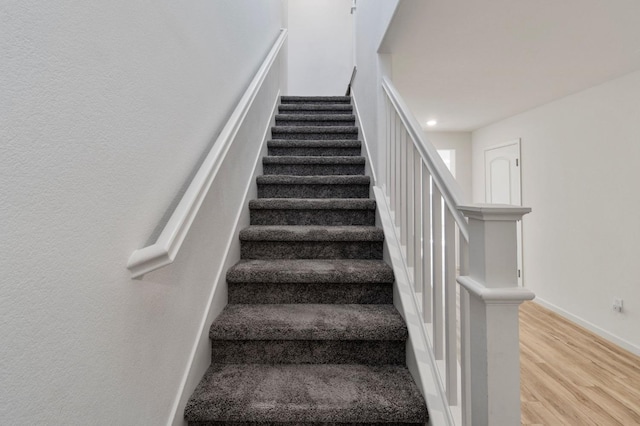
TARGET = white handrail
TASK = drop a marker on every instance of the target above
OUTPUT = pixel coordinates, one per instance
(446, 183)
(166, 247)
(472, 379)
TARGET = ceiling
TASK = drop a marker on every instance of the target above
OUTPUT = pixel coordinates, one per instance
(471, 63)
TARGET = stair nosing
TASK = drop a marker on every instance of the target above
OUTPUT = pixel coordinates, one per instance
(314, 159)
(313, 180)
(312, 203)
(353, 322)
(292, 271)
(315, 117)
(311, 233)
(315, 129)
(319, 106)
(314, 143)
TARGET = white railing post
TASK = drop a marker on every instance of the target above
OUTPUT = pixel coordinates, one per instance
(494, 298)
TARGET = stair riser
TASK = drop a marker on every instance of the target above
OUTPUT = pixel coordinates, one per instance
(313, 169)
(313, 136)
(309, 151)
(329, 293)
(313, 217)
(311, 249)
(280, 122)
(312, 191)
(308, 352)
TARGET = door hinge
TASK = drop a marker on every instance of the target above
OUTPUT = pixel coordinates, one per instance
(519, 273)
(517, 162)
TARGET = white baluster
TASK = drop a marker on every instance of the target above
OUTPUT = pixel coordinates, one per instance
(392, 176)
(387, 146)
(427, 246)
(450, 307)
(465, 337)
(403, 192)
(438, 300)
(410, 202)
(417, 221)
(398, 189)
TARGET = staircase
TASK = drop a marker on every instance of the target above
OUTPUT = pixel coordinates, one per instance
(310, 335)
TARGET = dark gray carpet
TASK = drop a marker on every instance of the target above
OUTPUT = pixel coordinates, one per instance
(307, 393)
(310, 336)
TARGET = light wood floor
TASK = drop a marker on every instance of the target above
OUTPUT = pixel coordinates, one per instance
(570, 376)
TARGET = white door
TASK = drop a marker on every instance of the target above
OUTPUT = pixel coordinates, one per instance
(502, 183)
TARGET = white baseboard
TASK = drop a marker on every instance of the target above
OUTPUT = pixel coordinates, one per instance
(193, 371)
(365, 143)
(420, 360)
(590, 326)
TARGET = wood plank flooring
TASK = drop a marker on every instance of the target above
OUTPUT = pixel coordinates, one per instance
(570, 376)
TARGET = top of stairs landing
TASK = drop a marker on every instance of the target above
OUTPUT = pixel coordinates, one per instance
(316, 99)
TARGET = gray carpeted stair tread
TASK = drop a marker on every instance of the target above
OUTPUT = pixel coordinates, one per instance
(353, 281)
(311, 271)
(308, 322)
(313, 180)
(313, 292)
(315, 99)
(322, 108)
(311, 233)
(305, 165)
(310, 336)
(312, 211)
(287, 147)
(314, 132)
(328, 186)
(313, 203)
(215, 423)
(276, 130)
(323, 120)
(307, 393)
(310, 143)
(316, 117)
(309, 159)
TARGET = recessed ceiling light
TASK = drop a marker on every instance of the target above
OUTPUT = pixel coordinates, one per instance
(432, 123)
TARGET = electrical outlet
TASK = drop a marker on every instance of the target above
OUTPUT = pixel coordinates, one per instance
(617, 305)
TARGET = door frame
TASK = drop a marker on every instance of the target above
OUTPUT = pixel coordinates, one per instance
(519, 227)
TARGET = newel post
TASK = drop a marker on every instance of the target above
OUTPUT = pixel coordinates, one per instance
(494, 298)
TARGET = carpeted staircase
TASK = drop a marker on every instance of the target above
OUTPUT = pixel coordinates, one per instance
(310, 335)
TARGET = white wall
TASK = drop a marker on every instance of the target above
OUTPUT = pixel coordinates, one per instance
(372, 20)
(320, 47)
(580, 175)
(460, 143)
(106, 109)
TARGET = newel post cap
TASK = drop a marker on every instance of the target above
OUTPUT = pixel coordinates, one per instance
(494, 212)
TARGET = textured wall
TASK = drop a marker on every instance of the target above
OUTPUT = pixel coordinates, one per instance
(320, 47)
(106, 108)
(372, 20)
(579, 175)
(460, 142)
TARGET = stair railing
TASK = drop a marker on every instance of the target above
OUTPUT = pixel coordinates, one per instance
(478, 375)
(350, 85)
(164, 250)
